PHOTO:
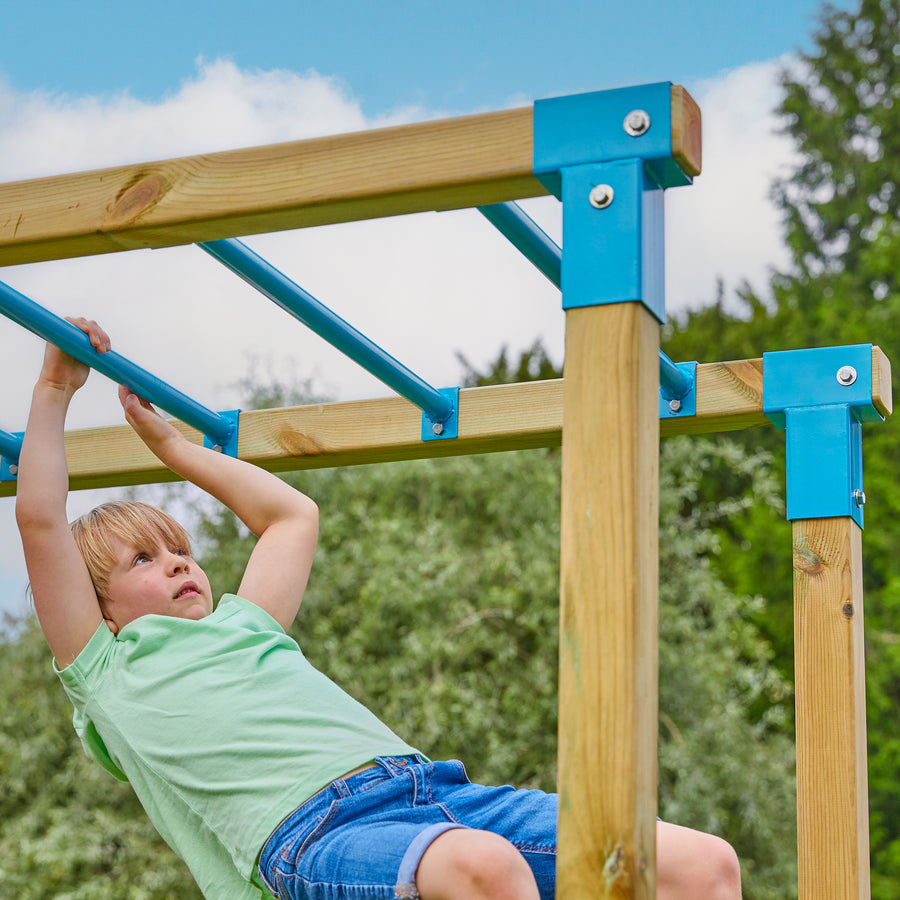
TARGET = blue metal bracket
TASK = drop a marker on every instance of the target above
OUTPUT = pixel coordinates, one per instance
(230, 447)
(10, 447)
(445, 429)
(608, 156)
(821, 398)
(677, 388)
(613, 237)
(591, 128)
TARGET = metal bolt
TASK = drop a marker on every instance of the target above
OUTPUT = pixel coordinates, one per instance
(860, 498)
(218, 448)
(846, 375)
(601, 196)
(637, 122)
(675, 405)
(438, 428)
(13, 469)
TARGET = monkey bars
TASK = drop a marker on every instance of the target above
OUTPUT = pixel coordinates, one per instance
(607, 156)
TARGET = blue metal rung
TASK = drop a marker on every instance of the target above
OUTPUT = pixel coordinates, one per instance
(526, 236)
(10, 447)
(72, 340)
(252, 268)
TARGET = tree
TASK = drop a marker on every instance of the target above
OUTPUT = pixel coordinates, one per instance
(840, 208)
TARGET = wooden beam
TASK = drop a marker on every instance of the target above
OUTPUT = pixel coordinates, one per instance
(501, 417)
(832, 781)
(608, 601)
(446, 164)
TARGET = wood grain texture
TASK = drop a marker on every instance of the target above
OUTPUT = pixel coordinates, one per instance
(687, 141)
(608, 605)
(502, 417)
(882, 392)
(445, 164)
(832, 782)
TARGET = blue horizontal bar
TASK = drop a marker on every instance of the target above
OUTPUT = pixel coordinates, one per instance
(76, 343)
(303, 306)
(10, 446)
(526, 236)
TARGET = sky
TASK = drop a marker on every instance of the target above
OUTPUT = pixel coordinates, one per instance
(87, 83)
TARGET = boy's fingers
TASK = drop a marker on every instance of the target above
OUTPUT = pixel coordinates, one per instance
(99, 338)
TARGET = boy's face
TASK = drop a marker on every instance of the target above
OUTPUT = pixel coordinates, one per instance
(155, 580)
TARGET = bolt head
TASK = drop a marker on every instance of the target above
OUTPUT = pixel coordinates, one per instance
(860, 497)
(219, 448)
(846, 375)
(601, 195)
(637, 122)
(438, 428)
(675, 405)
(13, 469)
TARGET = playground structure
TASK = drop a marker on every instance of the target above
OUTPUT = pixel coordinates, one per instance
(608, 156)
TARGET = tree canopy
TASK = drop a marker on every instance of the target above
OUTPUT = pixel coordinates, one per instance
(840, 208)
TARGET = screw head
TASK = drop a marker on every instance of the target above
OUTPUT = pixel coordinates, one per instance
(438, 428)
(860, 498)
(13, 469)
(637, 122)
(675, 405)
(218, 448)
(601, 196)
(846, 375)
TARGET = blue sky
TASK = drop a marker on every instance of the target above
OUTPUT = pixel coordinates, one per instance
(454, 56)
(93, 83)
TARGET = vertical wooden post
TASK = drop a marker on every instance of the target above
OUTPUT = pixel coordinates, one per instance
(608, 638)
(832, 781)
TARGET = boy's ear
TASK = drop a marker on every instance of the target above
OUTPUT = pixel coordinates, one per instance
(111, 625)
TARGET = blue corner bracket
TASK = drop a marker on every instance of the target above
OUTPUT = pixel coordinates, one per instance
(821, 398)
(677, 388)
(587, 128)
(447, 428)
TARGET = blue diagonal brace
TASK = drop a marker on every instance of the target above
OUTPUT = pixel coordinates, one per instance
(821, 397)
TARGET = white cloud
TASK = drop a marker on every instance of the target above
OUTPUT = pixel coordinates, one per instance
(725, 224)
(423, 287)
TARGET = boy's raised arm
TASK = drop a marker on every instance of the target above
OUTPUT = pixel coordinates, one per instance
(284, 520)
(64, 597)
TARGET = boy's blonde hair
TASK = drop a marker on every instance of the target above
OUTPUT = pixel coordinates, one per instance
(138, 524)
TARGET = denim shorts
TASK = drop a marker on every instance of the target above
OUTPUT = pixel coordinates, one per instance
(363, 836)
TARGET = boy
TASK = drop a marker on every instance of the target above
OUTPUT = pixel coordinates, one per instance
(254, 767)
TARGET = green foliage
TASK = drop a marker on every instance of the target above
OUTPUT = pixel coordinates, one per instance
(68, 830)
(841, 214)
(434, 600)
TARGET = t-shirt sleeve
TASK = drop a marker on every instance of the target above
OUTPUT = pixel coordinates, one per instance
(76, 679)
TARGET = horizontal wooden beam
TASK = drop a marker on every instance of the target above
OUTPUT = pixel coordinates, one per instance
(494, 418)
(501, 417)
(445, 164)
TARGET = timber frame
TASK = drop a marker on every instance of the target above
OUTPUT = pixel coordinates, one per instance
(608, 692)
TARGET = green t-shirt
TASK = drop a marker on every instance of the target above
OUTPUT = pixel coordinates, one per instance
(222, 728)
